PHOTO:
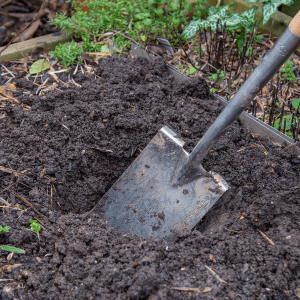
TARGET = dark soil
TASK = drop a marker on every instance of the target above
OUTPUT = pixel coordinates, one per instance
(78, 141)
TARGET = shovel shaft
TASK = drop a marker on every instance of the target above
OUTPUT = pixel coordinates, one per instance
(272, 61)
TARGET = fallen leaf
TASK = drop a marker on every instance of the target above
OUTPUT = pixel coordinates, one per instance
(39, 66)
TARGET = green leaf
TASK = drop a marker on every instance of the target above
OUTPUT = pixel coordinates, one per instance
(143, 38)
(173, 5)
(39, 66)
(213, 77)
(213, 90)
(259, 37)
(191, 71)
(148, 22)
(5, 229)
(34, 225)
(268, 10)
(288, 122)
(104, 48)
(295, 103)
(212, 10)
(12, 249)
(190, 30)
(251, 1)
(283, 2)
(222, 13)
(250, 14)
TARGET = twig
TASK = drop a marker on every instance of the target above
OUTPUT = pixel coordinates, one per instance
(4, 201)
(16, 173)
(30, 205)
(41, 8)
(269, 240)
(215, 274)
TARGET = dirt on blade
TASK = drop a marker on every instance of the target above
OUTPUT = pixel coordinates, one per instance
(75, 142)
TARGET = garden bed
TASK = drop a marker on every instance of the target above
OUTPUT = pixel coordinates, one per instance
(63, 149)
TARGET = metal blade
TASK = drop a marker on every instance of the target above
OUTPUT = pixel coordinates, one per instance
(144, 202)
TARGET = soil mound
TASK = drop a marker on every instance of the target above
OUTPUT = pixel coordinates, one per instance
(77, 140)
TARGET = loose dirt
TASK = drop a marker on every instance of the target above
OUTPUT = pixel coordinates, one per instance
(76, 141)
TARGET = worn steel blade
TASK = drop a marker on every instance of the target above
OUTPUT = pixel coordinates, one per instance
(143, 200)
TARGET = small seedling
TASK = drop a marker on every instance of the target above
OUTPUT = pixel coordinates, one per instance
(265, 153)
(4, 229)
(213, 90)
(287, 72)
(12, 249)
(219, 75)
(35, 227)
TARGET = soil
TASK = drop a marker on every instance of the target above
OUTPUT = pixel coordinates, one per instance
(74, 142)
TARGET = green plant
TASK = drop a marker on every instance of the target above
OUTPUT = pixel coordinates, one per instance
(4, 229)
(288, 72)
(243, 22)
(140, 20)
(67, 53)
(270, 7)
(265, 153)
(296, 104)
(12, 249)
(219, 75)
(34, 226)
(213, 90)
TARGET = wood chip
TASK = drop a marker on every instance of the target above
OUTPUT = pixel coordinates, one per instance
(10, 171)
(188, 289)
(211, 257)
(9, 268)
(268, 239)
(4, 201)
(215, 274)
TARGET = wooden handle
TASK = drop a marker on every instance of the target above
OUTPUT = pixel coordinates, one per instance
(295, 24)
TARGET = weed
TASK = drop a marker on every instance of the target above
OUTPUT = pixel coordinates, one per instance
(67, 53)
(34, 226)
(287, 72)
(265, 153)
(219, 75)
(4, 229)
(213, 90)
(139, 20)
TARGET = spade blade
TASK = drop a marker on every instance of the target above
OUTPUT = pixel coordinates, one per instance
(143, 200)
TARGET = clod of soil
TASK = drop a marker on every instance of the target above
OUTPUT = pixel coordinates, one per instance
(75, 142)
